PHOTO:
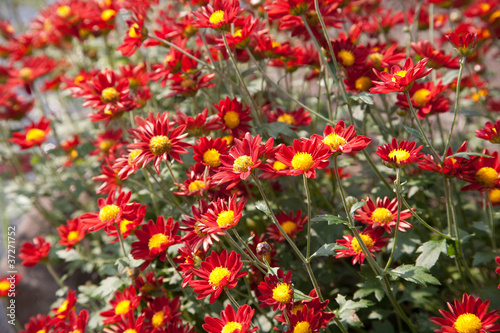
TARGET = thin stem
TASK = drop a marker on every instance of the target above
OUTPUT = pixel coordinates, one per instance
(250, 252)
(397, 186)
(167, 193)
(54, 275)
(491, 223)
(420, 128)
(120, 236)
(374, 168)
(231, 298)
(457, 103)
(249, 257)
(415, 215)
(308, 196)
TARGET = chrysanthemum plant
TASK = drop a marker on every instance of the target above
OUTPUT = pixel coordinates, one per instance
(249, 166)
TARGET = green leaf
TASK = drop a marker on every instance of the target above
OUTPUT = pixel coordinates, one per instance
(327, 250)
(331, 219)
(467, 155)
(347, 310)
(370, 286)
(415, 274)
(413, 132)
(300, 296)
(70, 255)
(483, 258)
(481, 226)
(277, 128)
(108, 286)
(261, 205)
(430, 252)
(364, 97)
(357, 206)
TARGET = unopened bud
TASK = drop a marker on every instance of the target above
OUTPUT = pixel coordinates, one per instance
(350, 201)
(133, 272)
(263, 249)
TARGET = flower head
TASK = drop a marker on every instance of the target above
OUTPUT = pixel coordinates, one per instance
(234, 117)
(291, 224)
(464, 44)
(372, 238)
(468, 316)
(34, 134)
(33, 253)
(482, 172)
(122, 304)
(490, 132)
(400, 79)
(276, 291)
(71, 233)
(343, 140)
(221, 216)
(383, 214)
(218, 17)
(399, 154)
(231, 321)
(216, 273)
(304, 157)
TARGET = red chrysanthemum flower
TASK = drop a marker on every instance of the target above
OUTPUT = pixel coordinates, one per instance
(32, 68)
(109, 178)
(195, 237)
(468, 316)
(122, 304)
(8, 285)
(126, 165)
(111, 213)
(162, 311)
(234, 117)
(426, 98)
(451, 167)
(198, 125)
(40, 323)
(108, 143)
(149, 286)
(276, 291)
(187, 84)
(482, 172)
(436, 59)
(34, 134)
(62, 311)
(158, 140)
(222, 216)
(136, 33)
(216, 273)
(71, 233)
(243, 157)
(241, 37)
(299, 117)
(219, 17)
(349, 55)
(382, 58)
(208, 151)
(127, 324)
(33, 253)
(464, 44)
(154, 239)
(383, 214)
(304, 157)
(290, 224)
(343, 140)
(400, 79)
(490, 132)
(77, 323)
(14, 106)
(230, 321)
(371, 237)
(399, 155)
(359, 81)
(305, 320)
(127, 226)
(199, 181)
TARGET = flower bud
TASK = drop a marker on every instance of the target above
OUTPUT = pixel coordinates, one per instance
(350, 201)
(263, 249)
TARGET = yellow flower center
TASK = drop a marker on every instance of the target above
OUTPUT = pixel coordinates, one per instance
(63, 11)
(468, 323)
(420, 96)
(133, 31)
(485, 7)
(73, 154)
(108, 14)
(4, 285)
(231, 327)
(35, 134)
(157, 319)
(196, 185)
(480, 94)
(288, 227)
(216, 17)
(237, 33)
(242, 163)
(494, 195)
(302, 327)
(398, 73)
(62, 308)
(366, 239)
(41, 331)
(486, 176)
(281, 293)
(376, 58)
(228, 139)
(105, 145)
(160, 145)
(217, 275)
(122, 307)
(109, 95)
(157, 240)
(76, 331)
(79, 79)
(302, 161)
(399, 155)
(225, 217)
(72, 235)
(347, 57)
(130, 330)
(382, 215)
(25, 73)
(124, 225)
(278, 166)
(286, 118)
(363, 83)
(334, 141)
(132, 155)
(232, 119)
(211, 157)
(109, 213)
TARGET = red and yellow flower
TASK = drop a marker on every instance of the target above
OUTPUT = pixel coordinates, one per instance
(343, 140)
(383, 214)
(218, 17)
(231, 321)
(468, 316)
(71, 233)
(482, 172)
(34, 134)
(291, 224)
(490, 132)
(35, 252)
(451, 166)
(399, 154)
(154, 239)
(372, 238)
(216, 273)
(122, 304)
(426, 98)
(399, 79)
(208, 151)
(234, 117)
(222, 216)
(276, 291)
(464, 44)
(304, 157)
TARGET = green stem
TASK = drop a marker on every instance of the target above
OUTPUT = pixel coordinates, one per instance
(491, 224)
(415, 215)
(397, 186)
(167, 193)
(231, 298)
(120, 236)
(308, 196)
(457, 103)
(54, 275)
